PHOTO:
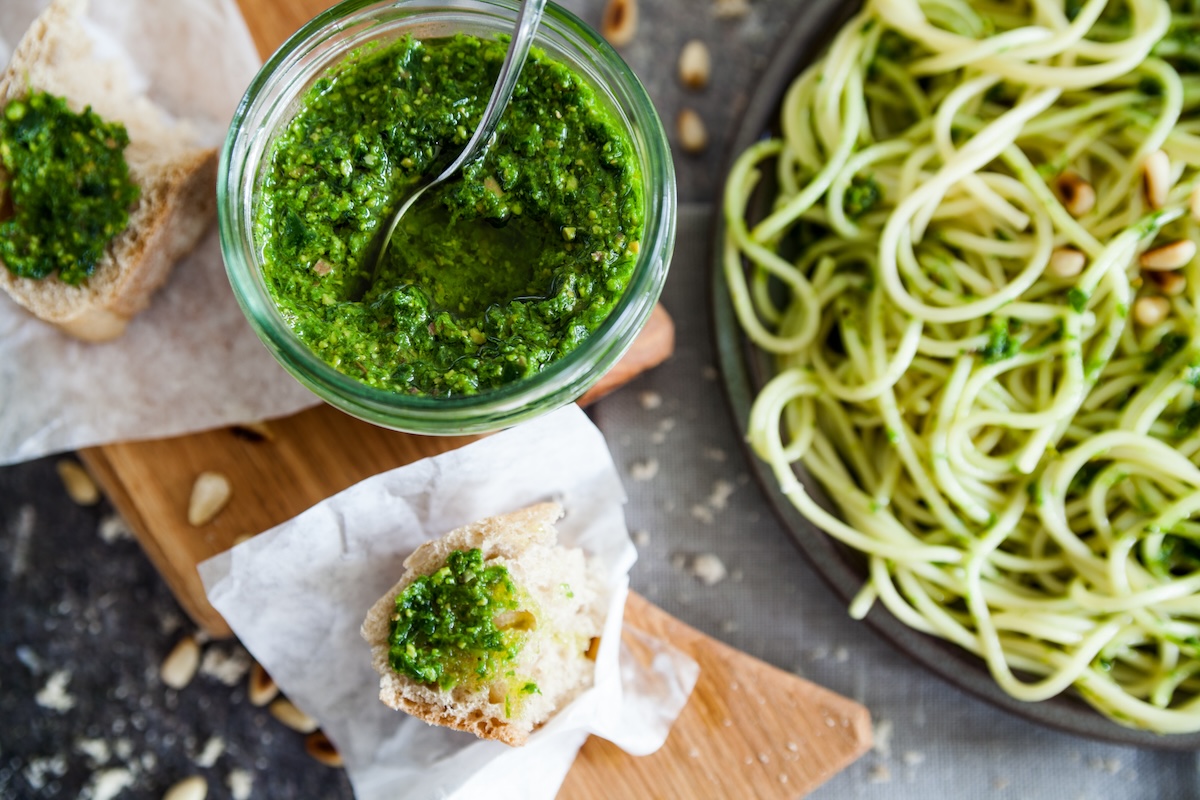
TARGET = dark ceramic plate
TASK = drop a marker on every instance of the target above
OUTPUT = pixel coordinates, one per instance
(745, 369)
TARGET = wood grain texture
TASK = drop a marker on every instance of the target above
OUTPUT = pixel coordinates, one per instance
(749, 730)
(304, 459)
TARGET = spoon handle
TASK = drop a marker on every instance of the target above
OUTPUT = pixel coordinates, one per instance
(518, 49)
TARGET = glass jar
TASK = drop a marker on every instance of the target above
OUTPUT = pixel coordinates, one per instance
(270, 103)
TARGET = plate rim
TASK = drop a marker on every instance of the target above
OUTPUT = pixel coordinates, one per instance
(811, 28)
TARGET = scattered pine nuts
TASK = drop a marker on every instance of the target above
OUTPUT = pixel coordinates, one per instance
(1077, 195)
(693, 136)
(180, 665)
(193, 788)
(317, 745)
(1150, 311)
(1066, 262)
(695, 64)
(210, 493)
(1156, 178)
(619, 23)
(1171, 283)
(286, 712)
(1174, 255)
(78, 483)
(261, 688)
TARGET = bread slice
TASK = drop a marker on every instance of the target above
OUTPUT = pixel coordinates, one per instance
(558, 591)
(177, 179)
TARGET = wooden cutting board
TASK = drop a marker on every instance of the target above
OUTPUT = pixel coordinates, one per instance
(748, 730)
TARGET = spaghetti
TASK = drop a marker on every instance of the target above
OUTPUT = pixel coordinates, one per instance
(978, 283)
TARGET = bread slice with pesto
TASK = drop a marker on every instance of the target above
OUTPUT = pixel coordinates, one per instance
(176, 178)
(491, 629)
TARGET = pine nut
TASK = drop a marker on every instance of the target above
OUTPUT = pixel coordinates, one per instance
(317, 745)
(180, 665)
(1174, 255)
(287, 713)
(210, 493)
(78, 483)
(1150, 311)
(193, 788)
(1171, 283)
(1156, 173)
(619, 23)
(695, 64)
(693, 136)
(261, 689)
(1077, 195)
(1066, 262)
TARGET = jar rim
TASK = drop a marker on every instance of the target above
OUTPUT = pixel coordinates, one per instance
(274, 91)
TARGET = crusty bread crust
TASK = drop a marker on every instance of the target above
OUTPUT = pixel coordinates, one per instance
(177, 180)
(554, 655)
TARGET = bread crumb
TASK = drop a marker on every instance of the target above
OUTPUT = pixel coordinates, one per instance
(227, 666)
(679, 561)
(1000, 783)
(240, 783)
(710, 373)
(22, 533)
(96, 751)
(694, 753)
(650, 400)
(841, 655)
(914, 757)
(793, 747)
(54, 695)
(883, 737)
(783, 778)
(703, 513)
(40, 771)
(108, 784)
(715, 454)
(641, 538)
(730, 9)
(728, 626)
(113, 529)
(764, 758)
(709, 569)
(213, 749)
(644, 470)
(879, 773)
(718, 499)
(736, 575)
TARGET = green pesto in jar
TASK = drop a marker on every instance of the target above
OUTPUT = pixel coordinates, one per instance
(67, 188)
(444, 630)
(494, 274)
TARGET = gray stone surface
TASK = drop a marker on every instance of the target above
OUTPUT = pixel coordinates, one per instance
(74, 603)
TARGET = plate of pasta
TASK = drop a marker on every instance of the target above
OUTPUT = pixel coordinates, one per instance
(955, 296)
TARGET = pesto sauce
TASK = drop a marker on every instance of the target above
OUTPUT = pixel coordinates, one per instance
(444, 629)
(68, 185)
(494, 274)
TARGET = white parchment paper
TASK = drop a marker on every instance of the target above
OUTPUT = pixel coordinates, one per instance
(190, 362)
(297, 595)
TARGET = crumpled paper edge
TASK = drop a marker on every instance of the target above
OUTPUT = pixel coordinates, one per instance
(168, 47)
(630, 723)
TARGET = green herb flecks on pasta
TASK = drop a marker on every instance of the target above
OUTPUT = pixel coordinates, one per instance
(1012, 441)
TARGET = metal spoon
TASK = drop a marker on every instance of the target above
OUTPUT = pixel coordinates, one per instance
(518, 48)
